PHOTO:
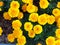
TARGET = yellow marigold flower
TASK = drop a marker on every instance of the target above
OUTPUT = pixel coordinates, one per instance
(31, 8)
(28, 26)
(27, 1)
(31, 34)
(58, 4)
(39, 44)
(44, 4)
(21, 40)
(57, 33)
(6, 16)
(10, 38)
(24, 7)
(1, 3)
(36, 8)
(57, 42)
(37, 29)
(50, 40)
(42, 19)
(0, 9)
(33, 17)
(56, 12)
(15, 4)
(13, 12)
(1, 31)
(17, 33)
(58, 23)
(20, 15)
(16, 24)
(51, 19)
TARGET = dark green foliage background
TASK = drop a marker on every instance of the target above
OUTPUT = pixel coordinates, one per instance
(48, 30)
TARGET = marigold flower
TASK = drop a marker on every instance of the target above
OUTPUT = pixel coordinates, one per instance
(57, 32)
(58, 23)
(6, 16)
(21, 40)
(50, 40)
(24, 7)
(58, 4)
(31, 34)
(33, 17)
(57, 42)
(39, 44)
(17, 33)
(31, 8)
(37, 29)
(28, 1)
(0, 9)
(1, 3)
(13, 12)
(28, 26)
(42, 19)
(51, 19)
(20, 15)
(10, 38)
(16, 24)
(44, 4)
(15, 4)
(1, 31)
(56, 12)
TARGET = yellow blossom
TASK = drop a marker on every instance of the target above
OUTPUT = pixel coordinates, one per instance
(57, 32)
(51, 19)
(28, 26)
(16, 24)
(1, 3)
(44, 4)
(56, 12)
(33, 17)
(21, 40)
(6, 16)
(17, 33)
(57, 42)
(10, 38)
(50, 40)
(1, 31)
(24, 7)
(27, 1)
(31, 34)
(38, 29)
(20, 15)
(58, 4)
(58, 23)
(42, 19)
(13, 12)
(31, 8)
(0, 9)
(39, 44)
(14, 4)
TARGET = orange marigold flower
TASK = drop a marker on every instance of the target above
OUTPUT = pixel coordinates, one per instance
(44, 4)
(1, 3)
(57, 32)
(37, 29)
(1, 31)
(31, 34)
(13, 12)
(21, 40)
(17, 33)
(28, 26)
(33, 17)
(50, 40)
(16, 24)
(20, 15)
(10, 38)
(15, 4)
(42, 19)
(51, 19)
(6, 16)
